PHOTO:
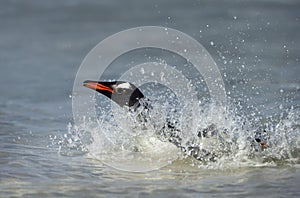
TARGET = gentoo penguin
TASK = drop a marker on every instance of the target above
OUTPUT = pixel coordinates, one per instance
(127, 94)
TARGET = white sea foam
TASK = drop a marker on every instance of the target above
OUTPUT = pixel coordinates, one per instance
(124, 142)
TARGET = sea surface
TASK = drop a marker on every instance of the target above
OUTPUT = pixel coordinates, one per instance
(256, 45)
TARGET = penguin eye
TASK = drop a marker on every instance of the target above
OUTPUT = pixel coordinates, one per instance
(119, 90)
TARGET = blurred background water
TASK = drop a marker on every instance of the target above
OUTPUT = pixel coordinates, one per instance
(255, 43)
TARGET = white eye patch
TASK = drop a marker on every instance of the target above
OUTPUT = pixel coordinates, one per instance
(125, 85)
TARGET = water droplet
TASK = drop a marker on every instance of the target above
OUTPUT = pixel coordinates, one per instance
(162, 75)
(211, 43)
(235, 17)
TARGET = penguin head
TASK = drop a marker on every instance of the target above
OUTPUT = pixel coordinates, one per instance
(121, 92)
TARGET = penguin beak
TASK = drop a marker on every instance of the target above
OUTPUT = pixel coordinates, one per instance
(98, 86)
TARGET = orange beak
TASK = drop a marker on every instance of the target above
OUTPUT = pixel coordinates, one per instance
(96, 86)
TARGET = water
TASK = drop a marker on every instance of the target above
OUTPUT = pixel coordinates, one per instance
(255, 44)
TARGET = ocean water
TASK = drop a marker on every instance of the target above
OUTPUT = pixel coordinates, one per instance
(43, 153)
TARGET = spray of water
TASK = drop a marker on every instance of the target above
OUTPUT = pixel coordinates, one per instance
(123, 140)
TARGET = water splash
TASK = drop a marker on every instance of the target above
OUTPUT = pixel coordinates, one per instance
(209, 137)
(126, 143)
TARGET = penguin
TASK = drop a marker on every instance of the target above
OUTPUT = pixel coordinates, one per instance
(127, 94)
